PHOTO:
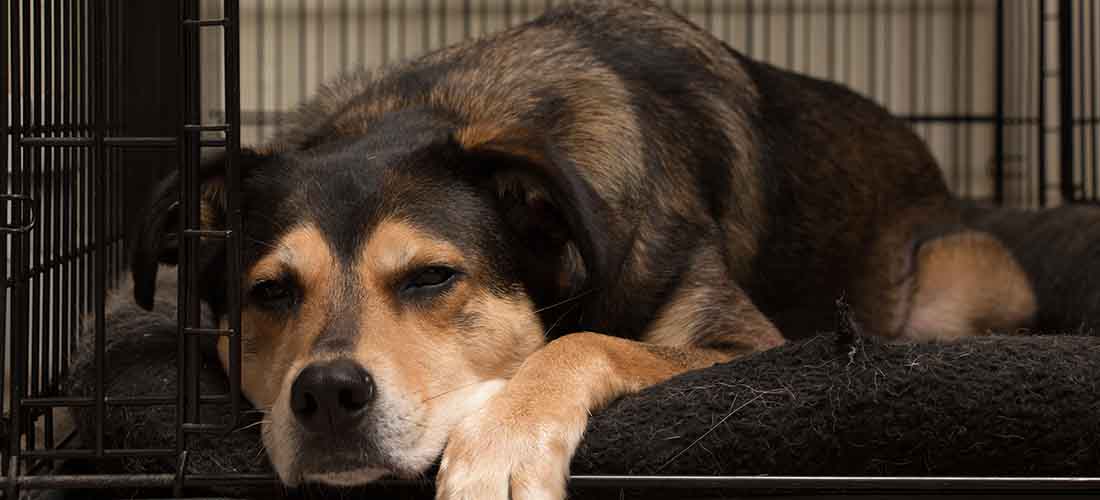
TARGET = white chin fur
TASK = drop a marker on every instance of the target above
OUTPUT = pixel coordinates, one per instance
(446, 416)
(347, 478)
(281, 442)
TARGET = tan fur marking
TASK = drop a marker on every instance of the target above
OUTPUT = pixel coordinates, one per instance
(544, 409)
(273, 344)
(968, 284)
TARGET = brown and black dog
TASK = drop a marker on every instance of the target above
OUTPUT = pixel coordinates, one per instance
(464, 255)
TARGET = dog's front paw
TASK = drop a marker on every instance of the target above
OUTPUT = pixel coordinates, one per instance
(510, 450)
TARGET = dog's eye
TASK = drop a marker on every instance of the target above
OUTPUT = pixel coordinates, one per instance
(430, 279)
(272, 294)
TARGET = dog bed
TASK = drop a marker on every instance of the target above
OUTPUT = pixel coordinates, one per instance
(834, 404)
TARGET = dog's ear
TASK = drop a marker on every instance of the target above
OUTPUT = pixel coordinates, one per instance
(547, 199)
(156, 238)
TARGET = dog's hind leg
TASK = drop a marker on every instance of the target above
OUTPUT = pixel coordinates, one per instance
(965, 283)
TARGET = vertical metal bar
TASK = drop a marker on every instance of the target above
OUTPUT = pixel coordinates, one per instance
(484, 16)
(999, 98)
(930, 39)
(443, 18)
(968, 91)
(807, 38)
(117, 216)
(1081, 129)
(99, 196)
(48, 214)
(402, 25)
(767, 31)
(320, 41)
(789, 17)
(384, 18)
(425, 25)
(708, 14)
(872, 48)
(303, 61)
(727, 22)
(278, 83)
(467, 21)
(67, 222)
(8, 37)
(1024, 27)
(233, 206)
(344, 19)
(956, 102)
(1017, 113)
(750, 23)
(848, 15)
(1095, 169)
(1065, 131)
(54, 225)
(18, 347)
(184, 267)
(888, 59)
(261, 40)
(830, 43)
(1041, 129)
(37, 156)
(190, 203)
(361, 33)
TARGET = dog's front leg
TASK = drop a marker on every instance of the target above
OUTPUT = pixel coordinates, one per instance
(520, 443)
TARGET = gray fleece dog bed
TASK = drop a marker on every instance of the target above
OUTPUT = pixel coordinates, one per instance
(834, 404)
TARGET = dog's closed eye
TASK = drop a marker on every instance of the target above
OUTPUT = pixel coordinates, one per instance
(274, 294)
(428, 282)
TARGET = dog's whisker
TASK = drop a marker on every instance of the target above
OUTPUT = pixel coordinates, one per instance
(253, 424)
(566, 301)
(444, 393)
(558, 321)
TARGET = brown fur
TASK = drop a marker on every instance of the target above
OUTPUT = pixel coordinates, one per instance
(645, 182)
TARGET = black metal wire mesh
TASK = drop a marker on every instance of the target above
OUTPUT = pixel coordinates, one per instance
(104, 96)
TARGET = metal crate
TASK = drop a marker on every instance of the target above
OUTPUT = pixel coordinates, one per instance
(104, 97)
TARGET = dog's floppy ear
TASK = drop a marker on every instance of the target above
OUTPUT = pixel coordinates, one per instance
(546, 196)
(156, 238)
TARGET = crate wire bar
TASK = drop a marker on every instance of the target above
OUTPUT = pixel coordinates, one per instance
(80, 151)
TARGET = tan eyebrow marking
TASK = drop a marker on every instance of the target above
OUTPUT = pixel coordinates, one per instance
(395, 247)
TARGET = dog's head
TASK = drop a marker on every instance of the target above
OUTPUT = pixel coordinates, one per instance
(392, 282)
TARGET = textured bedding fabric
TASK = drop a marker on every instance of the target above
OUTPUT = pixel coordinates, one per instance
(834, 404)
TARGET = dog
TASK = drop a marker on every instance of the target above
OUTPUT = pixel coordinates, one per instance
(452, 261)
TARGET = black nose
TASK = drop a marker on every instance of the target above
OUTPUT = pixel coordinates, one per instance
(331, 396)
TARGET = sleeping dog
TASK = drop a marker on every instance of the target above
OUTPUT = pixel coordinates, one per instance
(460, 257)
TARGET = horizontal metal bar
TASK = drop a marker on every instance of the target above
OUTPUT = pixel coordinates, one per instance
(135, 481)
(1047, 485)
(56, 141)
(204, 428)
(823, 483)
(141, 141)
(149, 452)
(120, 141)
(205, 22)
(949, 118)
(214, 332)
(206, 128)
(56, 402)
(207, 233)
(74, 402)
